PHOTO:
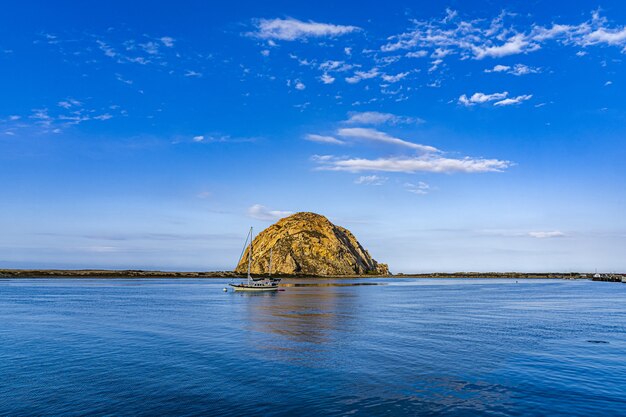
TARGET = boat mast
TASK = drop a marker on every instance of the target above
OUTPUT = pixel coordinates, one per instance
(250, 256)
(269, 275)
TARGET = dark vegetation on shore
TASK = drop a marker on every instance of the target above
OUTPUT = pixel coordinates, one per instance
(137, 273)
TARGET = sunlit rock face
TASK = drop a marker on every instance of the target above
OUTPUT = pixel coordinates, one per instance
(309, 244)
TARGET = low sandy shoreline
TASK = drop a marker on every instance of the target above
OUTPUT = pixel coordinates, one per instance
(102, 273)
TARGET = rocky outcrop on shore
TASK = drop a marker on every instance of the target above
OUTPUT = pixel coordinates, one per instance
(309, 244)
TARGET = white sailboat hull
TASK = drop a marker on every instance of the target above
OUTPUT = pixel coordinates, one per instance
(246, 287)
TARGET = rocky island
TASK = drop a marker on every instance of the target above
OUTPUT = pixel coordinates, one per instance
(309, 244)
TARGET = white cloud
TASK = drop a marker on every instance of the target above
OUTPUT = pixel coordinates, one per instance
(105, 116)
(363, 75)
(410, 165)
(324, 139)
(167, 41)
(327, 79)
(517, 44)
(198, 138)
(70, 102)
(394, 78)
(420, 188)
(480, 98)
(602, 35)
(299, 85)
(497, 37)
(521, 69)
(377, 118)
(608, 83)
(371, 180)
(546, 235)
(151, 48)
(194, 74)
(339, 66)
(416, 54)
(106, 49)
(265, 52)
(123, 80)
(293, 29)
(378, 136)
(260, 212)
(518, 69)
(322, 158)
(513, 100)
(499, 68)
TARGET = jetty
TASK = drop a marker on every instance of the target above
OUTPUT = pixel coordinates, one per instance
(610, 277)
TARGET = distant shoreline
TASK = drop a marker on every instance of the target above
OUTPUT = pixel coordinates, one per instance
(103, 273)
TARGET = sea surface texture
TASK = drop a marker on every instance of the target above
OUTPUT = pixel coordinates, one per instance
(406, 347)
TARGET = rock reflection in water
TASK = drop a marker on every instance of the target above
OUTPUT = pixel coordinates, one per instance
(305, 319)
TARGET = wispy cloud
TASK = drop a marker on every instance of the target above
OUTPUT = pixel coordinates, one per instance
(193, 74)
(291, 29)
(517, 69)
(371, 180)
(118, 47)
(497, 37)
(516, 44)
(420, 188)
(480, 98)
(378, 118)
(411, 165)
(382, 137)
(513, 100)
(167, 41)
(324, 139)
(499, 99)
(327, 79)
(363, 75)
(261, 212)
(67, 113)
(546, 235)
(394, 78)
(213, 138)
(69, 103)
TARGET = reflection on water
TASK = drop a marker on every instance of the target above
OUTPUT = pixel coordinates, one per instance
(408, 347)
(330, 284)
(300, 317)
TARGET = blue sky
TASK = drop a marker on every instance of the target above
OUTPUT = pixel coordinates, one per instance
(448, 136)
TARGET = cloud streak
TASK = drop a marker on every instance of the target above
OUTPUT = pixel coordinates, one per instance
(374, 135)
(498, 37)
(378, 118)
(411, 165)
(371, 180)
(261, 212)
(324, 139)
(546, 235)
(499, 99)
(293, 29)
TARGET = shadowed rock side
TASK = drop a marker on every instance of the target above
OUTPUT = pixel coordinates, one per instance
(309, 244)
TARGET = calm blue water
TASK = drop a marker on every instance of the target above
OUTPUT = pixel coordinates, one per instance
(427, 347)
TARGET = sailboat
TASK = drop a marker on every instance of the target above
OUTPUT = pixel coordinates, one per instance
(251, 284)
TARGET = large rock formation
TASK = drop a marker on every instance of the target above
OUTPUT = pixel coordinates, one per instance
(309, 244)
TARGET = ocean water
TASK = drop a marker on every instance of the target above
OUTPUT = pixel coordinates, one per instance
(406, 347)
